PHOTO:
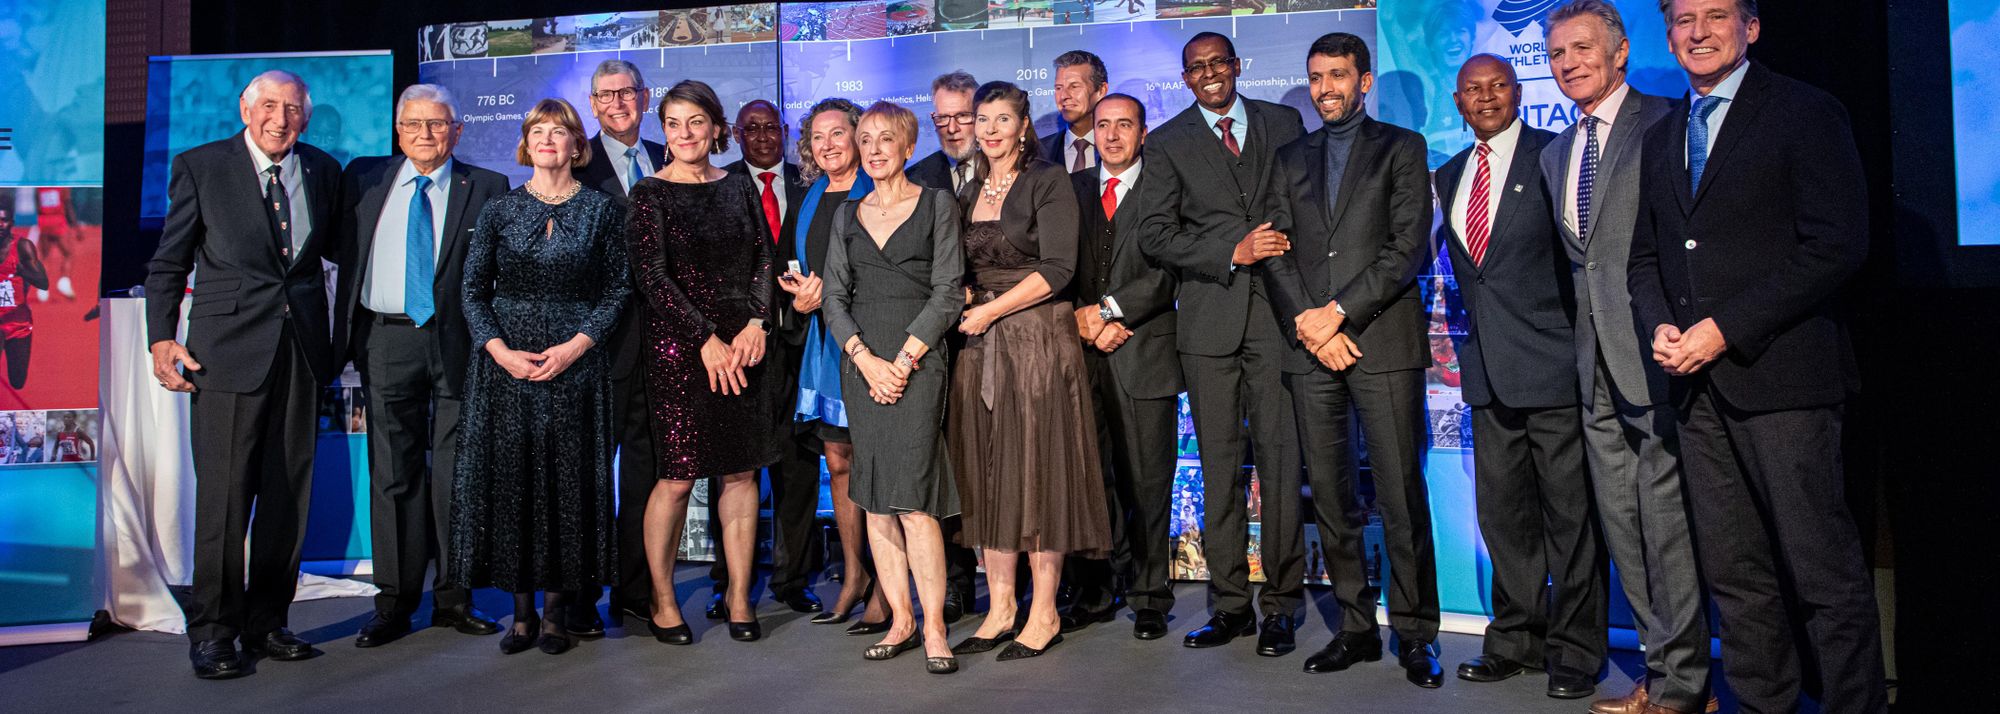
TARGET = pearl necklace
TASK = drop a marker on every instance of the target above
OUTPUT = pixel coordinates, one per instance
(994, 190)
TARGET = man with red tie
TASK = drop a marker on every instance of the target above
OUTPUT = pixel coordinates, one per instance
(795, 478)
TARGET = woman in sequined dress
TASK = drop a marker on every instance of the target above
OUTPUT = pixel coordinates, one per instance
(545, 277)
(701, 258)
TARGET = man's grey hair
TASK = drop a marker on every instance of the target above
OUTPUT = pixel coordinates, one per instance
(1073, 58)
(1603, 10)
(1746, 8)
(957, 80)
(617, 66)
(254, 92)
(427, 93)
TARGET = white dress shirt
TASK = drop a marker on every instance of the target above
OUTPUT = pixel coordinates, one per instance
(1501, 158)
(290, 174)
(389, 253)
(777, 186)
(1119, 192)
(1606, 113)
(1725, 91)
(614, 151)
(1069, 148)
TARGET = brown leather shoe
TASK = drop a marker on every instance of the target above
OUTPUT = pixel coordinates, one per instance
(1637, 703)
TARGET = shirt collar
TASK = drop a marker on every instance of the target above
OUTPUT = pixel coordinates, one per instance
(614, 146)
(756, 172)
(1503, 143)
(1236, 112)
(1726, 89)
(1071, 136)
(287, 167)
(409, 173)
(1131, 172)
(1607, 110)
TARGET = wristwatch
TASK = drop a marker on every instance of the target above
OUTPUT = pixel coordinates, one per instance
(1104, 310)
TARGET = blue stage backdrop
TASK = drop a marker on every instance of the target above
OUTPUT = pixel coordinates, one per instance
(1975, 66)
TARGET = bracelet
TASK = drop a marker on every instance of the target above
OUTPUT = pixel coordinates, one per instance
(905, 360)
(856, 348)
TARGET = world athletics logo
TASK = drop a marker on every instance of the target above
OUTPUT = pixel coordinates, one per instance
(1516, 15)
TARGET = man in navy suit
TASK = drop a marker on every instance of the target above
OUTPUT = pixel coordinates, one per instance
(1753, 217)
(1518, 367)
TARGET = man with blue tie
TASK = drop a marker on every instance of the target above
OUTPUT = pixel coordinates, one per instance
(1753, 216)
(402, 254)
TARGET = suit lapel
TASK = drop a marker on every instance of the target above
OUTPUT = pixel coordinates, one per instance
(454, 217)
(243, 178)
(1742, 112)
(1449, 175)
(1315, 193)
(1555, 175)
(1512, 193)
(1218, 161)
(1677, 124)
(368, 212)
(1624, 133)
(1360, 159)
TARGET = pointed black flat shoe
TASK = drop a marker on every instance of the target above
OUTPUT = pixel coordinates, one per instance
(517, 642)
(877, 653)
(867, 628)
(829, 617)
(976, 645)
(1015, 650)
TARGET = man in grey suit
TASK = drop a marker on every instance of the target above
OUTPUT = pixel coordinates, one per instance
(1628, 421)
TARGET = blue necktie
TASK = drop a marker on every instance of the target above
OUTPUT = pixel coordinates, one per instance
(1698, 139)
(1586, 176)
(417, 261)
(632, 171)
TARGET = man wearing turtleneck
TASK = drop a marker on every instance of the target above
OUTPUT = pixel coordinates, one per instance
(1353, 199)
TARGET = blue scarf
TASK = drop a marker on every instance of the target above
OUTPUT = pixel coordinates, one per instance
(819, 372)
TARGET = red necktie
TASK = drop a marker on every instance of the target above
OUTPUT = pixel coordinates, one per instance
(1228, 137)
(771, 204)
(1110, 198)
(1476, 227)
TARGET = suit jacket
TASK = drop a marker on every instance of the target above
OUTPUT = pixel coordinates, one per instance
(1053, 146)
(933, 171)
(1604, 323)
(1779, 223)
(1109, 263)
(1365, 253)
(1520, 349)
(365, 187)
(785, 322)
(1198, 201)
(598, 174)
(218, 228)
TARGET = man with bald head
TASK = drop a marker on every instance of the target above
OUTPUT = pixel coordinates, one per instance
(250, 216)
(1519, 376)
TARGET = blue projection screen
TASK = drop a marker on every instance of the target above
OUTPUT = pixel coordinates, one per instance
(1975, 67)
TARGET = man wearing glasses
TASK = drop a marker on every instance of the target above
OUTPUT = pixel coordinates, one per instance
(1201, 196)
(407, 221)
(948, 168)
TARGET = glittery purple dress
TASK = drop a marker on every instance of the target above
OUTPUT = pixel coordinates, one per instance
(701, 258)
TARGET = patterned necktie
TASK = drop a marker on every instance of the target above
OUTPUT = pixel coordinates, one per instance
(770, 199)
(1110, 198)
(958, 175)
(281, 213)
(418, 261)
(1229, 137)
(632, 171)
(1585, 177)
(1698, 139)
(1476, 227)
(1082, 161)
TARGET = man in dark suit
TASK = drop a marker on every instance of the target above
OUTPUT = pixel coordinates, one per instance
(1516, 368)
(251, 216)
(1080, 82)
(1352, 199)
(1202, 197)
(405, 224)
(619, 97)
(1754, 214)
(948, 169)
(1628, 424)
(1125, 315)
(795, 478)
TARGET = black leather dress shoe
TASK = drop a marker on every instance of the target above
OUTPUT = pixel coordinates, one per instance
(802, 601)
(1274, 637)
(382, 629)
(465, 619)
(1420, 664)
(717, 608)
(216, 659)
(1570, 684)
(1346, 650)
(976, 645)
(751, 631)
(280, 645)
(1149, 624)
(584, 621)
(1489, 668)
(955, 601)
(1222, 627)
(1075, 619)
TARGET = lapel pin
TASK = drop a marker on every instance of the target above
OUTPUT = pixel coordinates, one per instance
(1517, 188)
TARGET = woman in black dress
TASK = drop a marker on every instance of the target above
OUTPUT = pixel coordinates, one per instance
(892, 283)
(1023, 441)
(701, 258)
(545, 277)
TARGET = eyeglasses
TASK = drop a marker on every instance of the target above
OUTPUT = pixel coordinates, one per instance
(943, 119)
(1217, 65)
(604, 96)
(414, 126)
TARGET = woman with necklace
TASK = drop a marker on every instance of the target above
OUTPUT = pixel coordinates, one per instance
(545, 277)
(893, 267)
(1022, 438)
(701, 259)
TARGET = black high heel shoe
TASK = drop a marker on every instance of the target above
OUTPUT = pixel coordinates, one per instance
(976, 645)
(1015, 650)
(877, 653)
(746, 631)
(836, 615)
(679, 634)
(516, 643)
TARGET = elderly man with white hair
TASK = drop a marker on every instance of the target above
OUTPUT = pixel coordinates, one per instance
(406, 220)
(251, 216)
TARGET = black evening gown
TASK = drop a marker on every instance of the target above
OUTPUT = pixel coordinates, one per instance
(701, 258)
(532, 498)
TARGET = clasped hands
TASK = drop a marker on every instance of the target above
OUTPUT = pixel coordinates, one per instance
(539, 366)
(1105, 336)
(725, 361)
(886, 379)
(1319, 330)
(1685, 353)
